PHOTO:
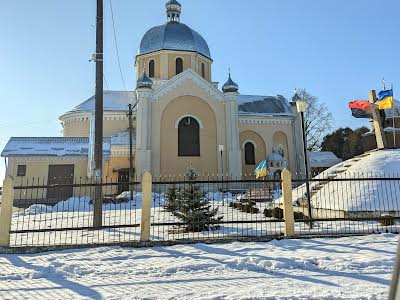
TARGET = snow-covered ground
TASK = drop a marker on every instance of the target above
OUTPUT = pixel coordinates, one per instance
(78, 213)
(345, 268)
(345, 194)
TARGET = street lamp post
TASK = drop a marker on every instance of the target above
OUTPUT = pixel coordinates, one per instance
(221, 149)
(302, 108)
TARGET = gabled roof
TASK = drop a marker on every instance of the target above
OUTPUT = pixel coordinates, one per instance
(51, 146)
(266, 105)
(113, 101)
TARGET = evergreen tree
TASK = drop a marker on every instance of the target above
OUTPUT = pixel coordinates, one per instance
(172, 198)
(194, 209)
(345, 142)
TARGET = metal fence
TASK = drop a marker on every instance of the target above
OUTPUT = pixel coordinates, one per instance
(202, 208)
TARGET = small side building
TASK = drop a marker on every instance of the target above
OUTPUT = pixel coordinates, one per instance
(322, 160)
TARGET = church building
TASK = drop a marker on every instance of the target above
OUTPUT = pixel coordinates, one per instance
(181, 120)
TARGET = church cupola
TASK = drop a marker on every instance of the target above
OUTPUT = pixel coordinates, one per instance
(173, 8)
(144, 82)
(230, 86)
(296, 97)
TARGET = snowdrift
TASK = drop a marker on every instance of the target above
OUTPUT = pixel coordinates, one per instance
(363, 195)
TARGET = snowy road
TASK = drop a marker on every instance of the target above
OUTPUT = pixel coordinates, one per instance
(346, 268)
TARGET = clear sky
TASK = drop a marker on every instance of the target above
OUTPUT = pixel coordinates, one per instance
(336, 49)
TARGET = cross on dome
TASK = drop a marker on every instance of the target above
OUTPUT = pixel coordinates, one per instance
(173, 9)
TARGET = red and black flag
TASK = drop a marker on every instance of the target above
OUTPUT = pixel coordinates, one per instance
(361, 109)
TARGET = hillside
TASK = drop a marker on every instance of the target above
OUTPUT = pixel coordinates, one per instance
(341, 192)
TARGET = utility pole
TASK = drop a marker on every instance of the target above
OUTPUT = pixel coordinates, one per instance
(306, 166)
(98, 140)
(131, 175)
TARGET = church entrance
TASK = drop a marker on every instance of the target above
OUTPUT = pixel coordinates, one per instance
(123, 181)
(60, 175)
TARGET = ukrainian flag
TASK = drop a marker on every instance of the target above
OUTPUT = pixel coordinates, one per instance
(261, 170)
(386, 100)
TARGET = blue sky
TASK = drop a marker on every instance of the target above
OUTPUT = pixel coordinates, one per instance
(336, 49)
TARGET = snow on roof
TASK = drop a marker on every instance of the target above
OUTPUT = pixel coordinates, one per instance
(360, 195)
(386, 129)
(122, 138)
(248, 104)
(51, 146)
(323, 159)
(270, 105)
(113, 101)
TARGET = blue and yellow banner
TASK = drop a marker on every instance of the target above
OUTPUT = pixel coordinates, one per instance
(386, 100)
(261, 170)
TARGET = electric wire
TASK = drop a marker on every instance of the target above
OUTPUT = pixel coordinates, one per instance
(117, 52)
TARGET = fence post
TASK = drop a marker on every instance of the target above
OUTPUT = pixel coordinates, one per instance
(287, 203)
(6, 212)
(146, 206)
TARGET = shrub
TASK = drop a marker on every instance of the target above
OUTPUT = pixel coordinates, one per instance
(276, 213)
(233, 205)
(387, 220)
(247, 208)
(268, 213)
(298, 215)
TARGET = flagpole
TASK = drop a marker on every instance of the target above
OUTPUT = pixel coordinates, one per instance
(394, 123)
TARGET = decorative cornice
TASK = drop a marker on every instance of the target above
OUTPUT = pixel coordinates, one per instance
(266, 120)
(121, 151)
(47, 158)
(178, 52)
(85, 117)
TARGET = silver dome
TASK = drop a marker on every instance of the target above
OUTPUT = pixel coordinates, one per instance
(230, 86)
(172, 2)
(173, 36)
(144, 82)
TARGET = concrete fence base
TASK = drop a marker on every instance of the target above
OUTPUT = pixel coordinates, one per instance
(146, 207)
(6, 212)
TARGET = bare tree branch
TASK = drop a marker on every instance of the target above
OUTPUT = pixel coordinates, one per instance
(318, 120)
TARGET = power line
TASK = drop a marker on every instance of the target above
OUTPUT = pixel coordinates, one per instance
(117, 51)
(105, 81)
(116, 46)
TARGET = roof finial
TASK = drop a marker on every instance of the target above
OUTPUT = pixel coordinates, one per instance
(230, 85)
(144, 81)
(296, 96)
(173, 8)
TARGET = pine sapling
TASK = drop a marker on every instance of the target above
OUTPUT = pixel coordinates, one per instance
(195, 210)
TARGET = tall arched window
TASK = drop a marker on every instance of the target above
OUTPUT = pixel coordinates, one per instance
(188, 137)
(203, 70)
(179, 65)
(151, 68)
(249, 154)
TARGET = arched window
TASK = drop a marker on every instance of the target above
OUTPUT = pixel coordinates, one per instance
(188, 137)
(203, 70)
(249, 154)
(179, 65)
(151, 68)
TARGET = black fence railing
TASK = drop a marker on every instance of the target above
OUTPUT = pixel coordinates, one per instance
(202, 208)
(348, 203)
(66, 216)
